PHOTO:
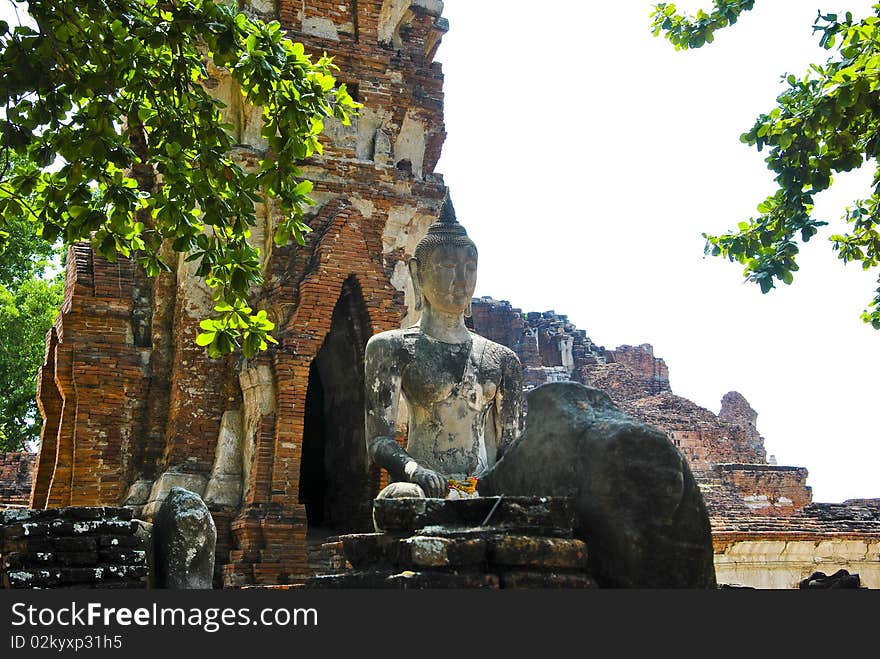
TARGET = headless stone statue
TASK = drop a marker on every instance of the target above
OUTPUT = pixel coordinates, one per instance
(463, 391)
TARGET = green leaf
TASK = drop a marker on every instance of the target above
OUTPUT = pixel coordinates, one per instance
(205, 338)
(303, 188)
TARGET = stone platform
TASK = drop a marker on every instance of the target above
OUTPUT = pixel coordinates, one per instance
(485, 542)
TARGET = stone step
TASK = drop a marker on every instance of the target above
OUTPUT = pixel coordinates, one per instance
(375, 550)
(326, 558)
(417, 580)
(403, 580)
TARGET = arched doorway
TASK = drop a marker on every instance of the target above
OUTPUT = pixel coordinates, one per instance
(334, 484)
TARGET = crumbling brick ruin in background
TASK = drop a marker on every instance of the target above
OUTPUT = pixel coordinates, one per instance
(765, 529)
(16, 479)
(724, 451)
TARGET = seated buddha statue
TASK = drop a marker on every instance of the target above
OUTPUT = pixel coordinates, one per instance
(635, 500)
(463, 391)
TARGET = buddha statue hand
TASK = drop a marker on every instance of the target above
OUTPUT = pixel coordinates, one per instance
(432, 483)
(385, 452)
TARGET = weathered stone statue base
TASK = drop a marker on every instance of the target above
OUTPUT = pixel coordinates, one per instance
(485, 542)
(637, 503)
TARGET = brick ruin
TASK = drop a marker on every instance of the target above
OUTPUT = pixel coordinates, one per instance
(767, 551)
(93, 547)
(766, 530)
(16, 479)
(724, 447)
(275, 444)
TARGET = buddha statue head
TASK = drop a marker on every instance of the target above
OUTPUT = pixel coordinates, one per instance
(444, 266)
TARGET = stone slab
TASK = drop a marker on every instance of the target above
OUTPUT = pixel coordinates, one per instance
(538, 552)
(408, 515)
(527, 579)
(404, 580)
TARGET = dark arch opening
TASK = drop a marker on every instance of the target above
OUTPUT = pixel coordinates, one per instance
(334, 483)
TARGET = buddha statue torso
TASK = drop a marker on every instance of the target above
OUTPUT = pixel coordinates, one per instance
(450, 390)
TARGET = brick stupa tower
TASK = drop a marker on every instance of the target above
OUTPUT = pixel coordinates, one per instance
(275, 445)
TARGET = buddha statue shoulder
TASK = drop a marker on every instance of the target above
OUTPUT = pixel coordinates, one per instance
(463, 391)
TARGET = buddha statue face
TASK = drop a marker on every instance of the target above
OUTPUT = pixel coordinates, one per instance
(446, 277)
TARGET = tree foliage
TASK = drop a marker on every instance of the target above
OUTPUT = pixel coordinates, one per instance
(94, 89)
(26, 314)
(31, 288)
(694, 31)
(825, 122)
(26, 254)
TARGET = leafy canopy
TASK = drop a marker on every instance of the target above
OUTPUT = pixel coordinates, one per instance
(694, 31)
(96, 92)
(826, 122)
(26, 314)
(31, 289)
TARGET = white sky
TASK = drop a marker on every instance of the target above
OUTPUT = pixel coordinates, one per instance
(586, 157)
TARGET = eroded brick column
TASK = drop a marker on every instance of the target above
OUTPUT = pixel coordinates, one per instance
(91, 387)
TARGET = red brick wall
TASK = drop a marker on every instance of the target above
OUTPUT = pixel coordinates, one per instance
(16, 478)
(91, 387)
(703, 437)
(651, 370)
(768, 490)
